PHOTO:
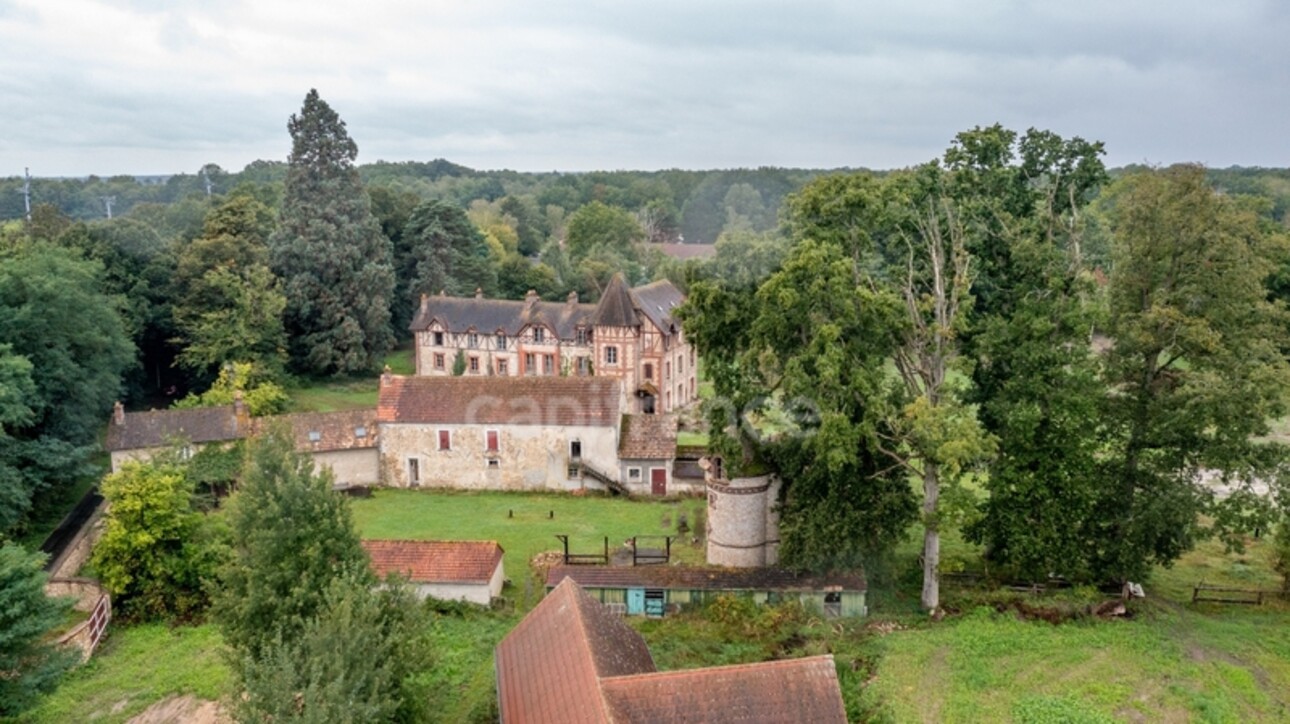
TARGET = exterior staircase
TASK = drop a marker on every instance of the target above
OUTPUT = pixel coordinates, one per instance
(608, 481)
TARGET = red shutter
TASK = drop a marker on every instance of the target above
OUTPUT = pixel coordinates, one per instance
(444, 440)
(492, 440)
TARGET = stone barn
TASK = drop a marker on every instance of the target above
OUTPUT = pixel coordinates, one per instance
(498, 433)
(141, 435)
(344, 442)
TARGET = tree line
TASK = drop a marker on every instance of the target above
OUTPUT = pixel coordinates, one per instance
(1005, 341)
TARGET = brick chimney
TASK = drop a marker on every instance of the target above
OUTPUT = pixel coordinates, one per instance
(425, 302)
(118, 413)
(573, 298)
(387, 376)
(479, 292)
(530, 299)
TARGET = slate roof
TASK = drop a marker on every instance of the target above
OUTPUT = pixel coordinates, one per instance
(435, 561)
(657, 301)
(774, 692)
(328, 431)
(573, 401)
(647, 437)
(571, 660)
(703, 578)
(550, 664)
(488, 316)
(157, 428)
(616, 307)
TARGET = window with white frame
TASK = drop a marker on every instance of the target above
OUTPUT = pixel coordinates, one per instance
(611, 355)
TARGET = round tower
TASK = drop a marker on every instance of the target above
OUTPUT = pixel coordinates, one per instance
(739, 512)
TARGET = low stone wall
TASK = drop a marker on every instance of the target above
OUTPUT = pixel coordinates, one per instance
(78, 551)
(91, 598)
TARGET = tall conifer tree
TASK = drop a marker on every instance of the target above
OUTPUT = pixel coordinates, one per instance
(335, 263)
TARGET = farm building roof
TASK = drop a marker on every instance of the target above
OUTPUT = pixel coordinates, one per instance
(326, 431)
(647, 437)
(550, 665)
(435, 561)
(158, 428)
(703, 578)
(773, 692)
(572, 401)
(571, 660)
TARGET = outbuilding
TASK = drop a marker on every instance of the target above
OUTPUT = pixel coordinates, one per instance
(448, 570)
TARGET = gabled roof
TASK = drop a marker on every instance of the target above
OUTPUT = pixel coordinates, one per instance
(549, 666)
(657, 301)
(616, 307)
(487, 316)
(435, 561)
(647, 437)
(158, 428)
(571, 660)
(703, 578)
(500, 400)
(773, 692)
(328, 431)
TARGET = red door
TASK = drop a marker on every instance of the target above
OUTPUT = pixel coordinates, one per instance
(658, 481)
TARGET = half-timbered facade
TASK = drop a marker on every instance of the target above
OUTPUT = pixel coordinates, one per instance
(630, 335)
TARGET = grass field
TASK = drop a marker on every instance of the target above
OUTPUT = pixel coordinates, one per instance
(135, 667)
(346, 394)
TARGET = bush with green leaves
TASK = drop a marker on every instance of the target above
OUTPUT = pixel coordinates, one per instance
(158, 554)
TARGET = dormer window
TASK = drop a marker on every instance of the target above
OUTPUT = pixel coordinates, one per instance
(438, 339)
(501, 341)
(581, 335)
(538, 334)
(472, 340)
(360, 431)
(314, 436)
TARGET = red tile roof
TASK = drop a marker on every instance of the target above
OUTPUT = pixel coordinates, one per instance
(325, 431)
(572, 401)
(549, 666)
(571, 660)
(435, 561)
(772, 692)
(703, 578)
(647, 437)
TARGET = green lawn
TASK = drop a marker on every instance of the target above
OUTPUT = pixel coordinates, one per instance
(135, 667)
(346, 394)
(521, 522)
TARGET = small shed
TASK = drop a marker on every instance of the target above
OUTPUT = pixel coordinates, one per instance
(448, 570)
(654, 590)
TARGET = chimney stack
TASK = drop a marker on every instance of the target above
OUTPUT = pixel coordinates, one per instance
(531, 298)
(387, 376)
(118, 413)
(479, 292)
(573, 297)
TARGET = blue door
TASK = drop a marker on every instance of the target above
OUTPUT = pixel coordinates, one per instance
(635, 601)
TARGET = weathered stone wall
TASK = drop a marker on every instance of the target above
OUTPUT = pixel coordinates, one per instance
(91, 598)
(78, 550)
(641, 485)
(351, 467)
(737, 522)
(529, 457)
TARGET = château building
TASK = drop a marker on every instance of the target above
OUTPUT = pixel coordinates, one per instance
(629, 336)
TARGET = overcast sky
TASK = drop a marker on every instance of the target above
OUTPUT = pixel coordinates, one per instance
(160, 86)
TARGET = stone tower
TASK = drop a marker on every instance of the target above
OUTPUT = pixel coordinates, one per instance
(743, 519)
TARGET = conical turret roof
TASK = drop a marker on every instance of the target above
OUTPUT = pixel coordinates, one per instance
(616, 308)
